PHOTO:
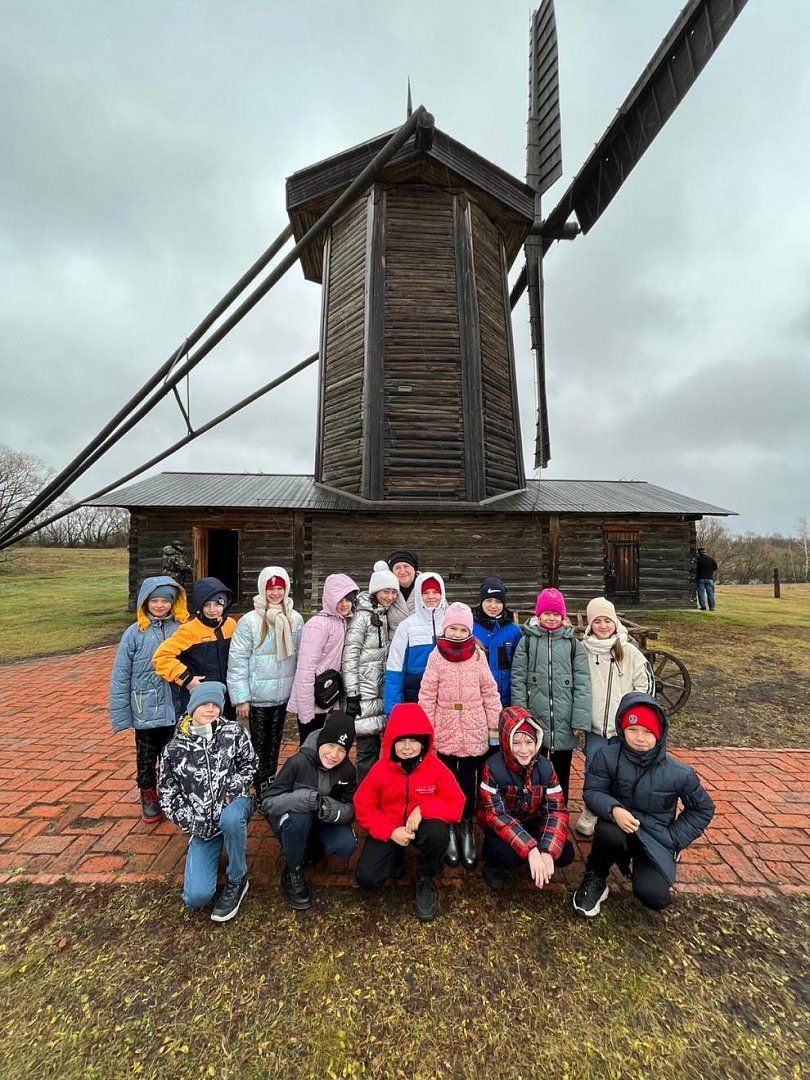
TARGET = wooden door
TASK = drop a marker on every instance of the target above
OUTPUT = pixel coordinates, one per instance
(621, 565)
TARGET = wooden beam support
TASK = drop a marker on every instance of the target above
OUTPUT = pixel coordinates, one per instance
(374, 359)
(299, 564)
(470, 343)
(554, 551)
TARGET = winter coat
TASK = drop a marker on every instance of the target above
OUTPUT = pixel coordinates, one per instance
(499, 638)
(199, 647)
(611, 679)
(388, 794)
(462, 702)
(400, 609)
(139, 698)
(321, 648)
(512, 794)
(705, 567)
(550, 678)
(255, 674)
(364, 657)
(304, 786)
(649, 785)
(198, 777)
(412, 644)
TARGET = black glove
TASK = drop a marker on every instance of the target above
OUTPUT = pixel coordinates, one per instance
(330, 810)
(352, 707)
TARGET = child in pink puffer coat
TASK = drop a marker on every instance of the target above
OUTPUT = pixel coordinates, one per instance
(461, 699)
(320, 651)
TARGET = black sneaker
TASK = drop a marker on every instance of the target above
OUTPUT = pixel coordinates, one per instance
(295, 889)
(151, 811)
(495, 876)
(425, 899)
(590, 895)
(229, 900)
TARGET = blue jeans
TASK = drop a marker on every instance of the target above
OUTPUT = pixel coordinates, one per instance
(202, 857)
(705, 590)
(296, 829)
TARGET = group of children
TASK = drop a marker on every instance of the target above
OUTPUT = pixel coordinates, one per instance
(456, 715)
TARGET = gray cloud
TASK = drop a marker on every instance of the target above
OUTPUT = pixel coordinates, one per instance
(146, 148)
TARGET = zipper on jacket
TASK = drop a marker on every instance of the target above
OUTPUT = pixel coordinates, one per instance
(407, 797)
(550, 697)
(210, 783)
(607, 700)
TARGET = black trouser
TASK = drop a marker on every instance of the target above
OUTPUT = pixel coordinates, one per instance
(266, 730)
(561, 760)
(467, 771)
(149, 743)
(498, 853)
(612, 845)
(367, 752)
(315, 724)
(379, 858)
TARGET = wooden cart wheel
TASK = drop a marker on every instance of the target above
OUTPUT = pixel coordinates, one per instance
(672, 682)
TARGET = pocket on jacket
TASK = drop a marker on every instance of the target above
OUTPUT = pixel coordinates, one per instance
(146, 704)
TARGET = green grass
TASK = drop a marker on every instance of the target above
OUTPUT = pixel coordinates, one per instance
(119, 981)
(60, 599)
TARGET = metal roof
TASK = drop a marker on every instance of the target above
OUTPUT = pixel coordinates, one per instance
(295, 492)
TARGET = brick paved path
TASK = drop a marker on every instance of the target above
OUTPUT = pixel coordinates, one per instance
(69, 808)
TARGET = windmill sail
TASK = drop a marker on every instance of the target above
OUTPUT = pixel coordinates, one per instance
(682, 55)
(543, 167)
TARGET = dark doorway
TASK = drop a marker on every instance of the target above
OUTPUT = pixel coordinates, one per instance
(223, 558)
(621, 565)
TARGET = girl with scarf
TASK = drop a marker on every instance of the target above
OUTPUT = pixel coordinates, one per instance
(261, 667)
(617, 667)
(460, 697)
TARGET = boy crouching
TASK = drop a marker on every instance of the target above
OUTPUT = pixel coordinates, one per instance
(204, 782)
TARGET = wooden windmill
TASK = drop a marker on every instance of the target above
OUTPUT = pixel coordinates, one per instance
(417, 391)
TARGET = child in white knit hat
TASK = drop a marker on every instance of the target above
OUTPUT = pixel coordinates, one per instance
(460, 696)
(363, 667)
(617, 667)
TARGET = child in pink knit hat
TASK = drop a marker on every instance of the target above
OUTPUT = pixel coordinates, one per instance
(460, 696)
(550, 678)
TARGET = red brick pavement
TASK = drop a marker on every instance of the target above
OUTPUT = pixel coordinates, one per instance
(69, 808)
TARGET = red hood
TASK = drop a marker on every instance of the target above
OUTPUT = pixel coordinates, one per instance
(511, 718)
(406, 719)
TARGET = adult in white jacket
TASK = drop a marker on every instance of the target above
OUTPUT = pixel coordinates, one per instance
(617, 667)
(261, 667)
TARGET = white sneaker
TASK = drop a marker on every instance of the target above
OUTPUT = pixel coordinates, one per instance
(586, 824)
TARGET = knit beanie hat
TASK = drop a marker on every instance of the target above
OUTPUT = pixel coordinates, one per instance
(163, 592)
(382, 578)
(492, 588)
(339, 729)
(275, 582)
(600, 607)
(527, 729)
(641, 716)
(430, 583)
(204, 693)
(457, 615)
(550, 600)
(403, 555)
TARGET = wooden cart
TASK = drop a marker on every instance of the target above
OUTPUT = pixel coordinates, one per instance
(673, 684)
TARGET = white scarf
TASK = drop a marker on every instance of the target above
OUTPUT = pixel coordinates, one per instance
(280, 625)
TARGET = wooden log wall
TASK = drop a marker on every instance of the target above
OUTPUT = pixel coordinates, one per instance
(424, 428)
(343, 351)
(502, 443)
(462, 547)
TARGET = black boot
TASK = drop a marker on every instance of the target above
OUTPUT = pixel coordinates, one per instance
(425, 899)
(469, 855)
(295, 888)
(452, 855)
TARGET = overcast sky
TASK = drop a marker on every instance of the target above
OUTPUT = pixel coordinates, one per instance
(145, 149)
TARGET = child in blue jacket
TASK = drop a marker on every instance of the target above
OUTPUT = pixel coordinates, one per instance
(139, 698)
(496, 629)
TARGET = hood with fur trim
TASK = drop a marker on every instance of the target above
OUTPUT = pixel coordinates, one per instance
(179, 610)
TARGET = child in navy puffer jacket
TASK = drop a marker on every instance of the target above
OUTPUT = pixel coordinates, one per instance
(499, 634)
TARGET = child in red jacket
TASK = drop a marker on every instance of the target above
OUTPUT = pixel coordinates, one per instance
(522, 809)
(408, 797)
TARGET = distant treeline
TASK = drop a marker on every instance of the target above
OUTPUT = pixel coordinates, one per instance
(750, 559)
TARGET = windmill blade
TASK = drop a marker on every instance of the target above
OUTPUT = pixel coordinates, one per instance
(534, 283)
(543, 142)
(680, 58)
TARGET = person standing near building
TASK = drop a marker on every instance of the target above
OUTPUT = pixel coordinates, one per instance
(404, 565)
(705, 569)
